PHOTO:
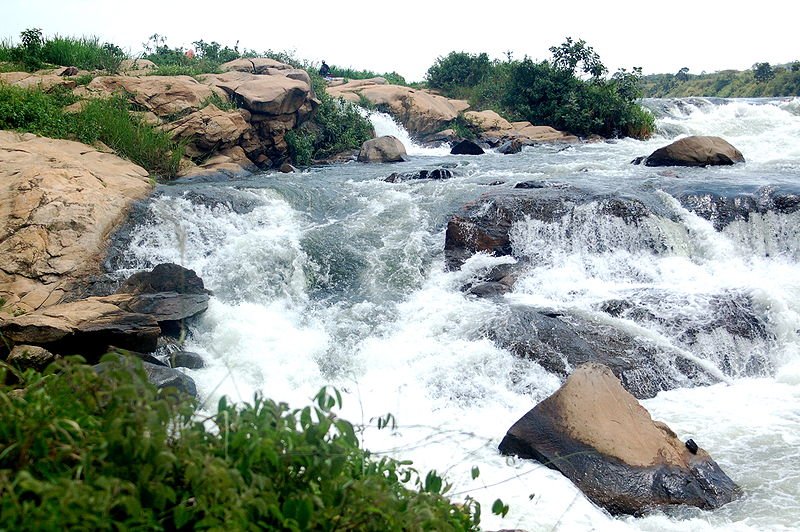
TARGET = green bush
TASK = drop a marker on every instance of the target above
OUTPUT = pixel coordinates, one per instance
(337, 126)
(104, 120)
(457, 71)
(350, 73)
(106, 451)
(87, 53)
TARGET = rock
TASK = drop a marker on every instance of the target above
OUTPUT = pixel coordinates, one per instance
(164, 306)
(604, 441)
(488, 121)
(165, 277)
(164, 377)
(421, 112)
(560, 342)
(165, 96)
(268, 95)
(386, 149)
(59, 200)
(31, 357)
(69, 71)
(45, 82)
(137, 67)
(437, 173)
(509, 147)
(87, 327)
(525, 131)
(254, 65)
(466, 147)
(483, 226)
(696, 151)
(208, 130)
(723, 210)
(287, 168)
(186, 359)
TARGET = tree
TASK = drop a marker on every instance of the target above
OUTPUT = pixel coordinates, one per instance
(570, 53)
(763, 72)
(458, 69)
(683, 74)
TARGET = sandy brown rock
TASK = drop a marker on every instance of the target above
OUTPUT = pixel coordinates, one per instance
(488, 121)
(59, 200)
(208, 129)
(696, 151)
(600, 437)
(162, 95)
(137, 67)
(271, 95)
(46, 82)
(31, 356)
(254, 65)
(386, 149)
(420, 111)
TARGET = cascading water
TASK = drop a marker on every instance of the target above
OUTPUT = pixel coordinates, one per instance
(334, 276)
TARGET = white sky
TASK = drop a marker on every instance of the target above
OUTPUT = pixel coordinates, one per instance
(407, 36)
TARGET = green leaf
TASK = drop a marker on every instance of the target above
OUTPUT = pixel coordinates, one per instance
(475, 472)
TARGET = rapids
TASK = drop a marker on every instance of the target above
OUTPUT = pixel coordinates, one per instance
(333, 276)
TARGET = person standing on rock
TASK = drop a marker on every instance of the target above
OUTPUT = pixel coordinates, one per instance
(325, 70)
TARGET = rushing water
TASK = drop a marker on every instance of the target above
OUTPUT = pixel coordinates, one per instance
(333, 276)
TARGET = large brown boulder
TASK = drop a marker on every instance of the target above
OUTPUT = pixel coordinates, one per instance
(166, 96)
(59, 201)
(491, 125)
(45, 82)
(254, 65)
(208, 129)
(271, 95)
(421, 112)
(603, 440)
(696, 151)
(386, 149)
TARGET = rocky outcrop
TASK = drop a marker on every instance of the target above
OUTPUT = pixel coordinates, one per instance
(145, 306)
(696, 151)
(165, 96)
(604, 441)
(209, 129)
(420, 112)
(263, 94)
(59, 201)
(255, 65)
(45, 82)
(496, 130)
(386, 149)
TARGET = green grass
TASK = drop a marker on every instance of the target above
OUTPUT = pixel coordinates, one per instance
(104, 120)
(106, 451)
(350, 73)
(36, 51)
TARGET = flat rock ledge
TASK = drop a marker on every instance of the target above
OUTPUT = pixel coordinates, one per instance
(597, 435)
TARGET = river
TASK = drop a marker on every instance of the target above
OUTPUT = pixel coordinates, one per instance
(334, 276)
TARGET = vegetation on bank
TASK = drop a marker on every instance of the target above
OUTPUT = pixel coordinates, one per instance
(35, 52)
(763, 80)
(104, 450)
(99, 120)
(569, 92)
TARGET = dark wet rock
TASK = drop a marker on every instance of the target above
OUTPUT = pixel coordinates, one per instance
(165, 277)
(497, 281)
(510, 147)
(437, 173)
(696, 151)
(484, 225)
(166, 377)
(31, 357)
(722, 210)
(562, 342)
(186, 359)
(466, 147)
(639, 160)
(531, 184)
(597, 435)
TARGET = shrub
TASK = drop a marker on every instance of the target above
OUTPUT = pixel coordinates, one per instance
(105, 120)
(458, 70)
(106, 451)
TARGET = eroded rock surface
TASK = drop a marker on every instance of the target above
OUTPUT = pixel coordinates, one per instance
(696, 151)
(604, 441)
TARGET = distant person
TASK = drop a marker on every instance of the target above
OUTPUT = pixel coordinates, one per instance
(325, 70)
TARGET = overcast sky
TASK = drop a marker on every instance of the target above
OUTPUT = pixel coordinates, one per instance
(407, 36)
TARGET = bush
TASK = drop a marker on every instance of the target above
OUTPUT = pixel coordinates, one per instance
(336, 127)
(106, 451)
(458, 70)
(107, 121)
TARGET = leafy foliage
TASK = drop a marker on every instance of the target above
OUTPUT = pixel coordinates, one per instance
(762, 72)
(106, 451)
(764, 80)
(552, 92)
(87, 53)
(337, 126)
(350, 73)
(104, 120)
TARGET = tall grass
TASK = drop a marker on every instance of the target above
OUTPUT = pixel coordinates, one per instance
(36, 51)
(104, 120)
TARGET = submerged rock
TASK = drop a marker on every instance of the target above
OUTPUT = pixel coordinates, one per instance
(437, 173)
(386, 149)
(604, 441)
(696, 151)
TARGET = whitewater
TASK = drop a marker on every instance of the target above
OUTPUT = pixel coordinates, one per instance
(332, 276)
